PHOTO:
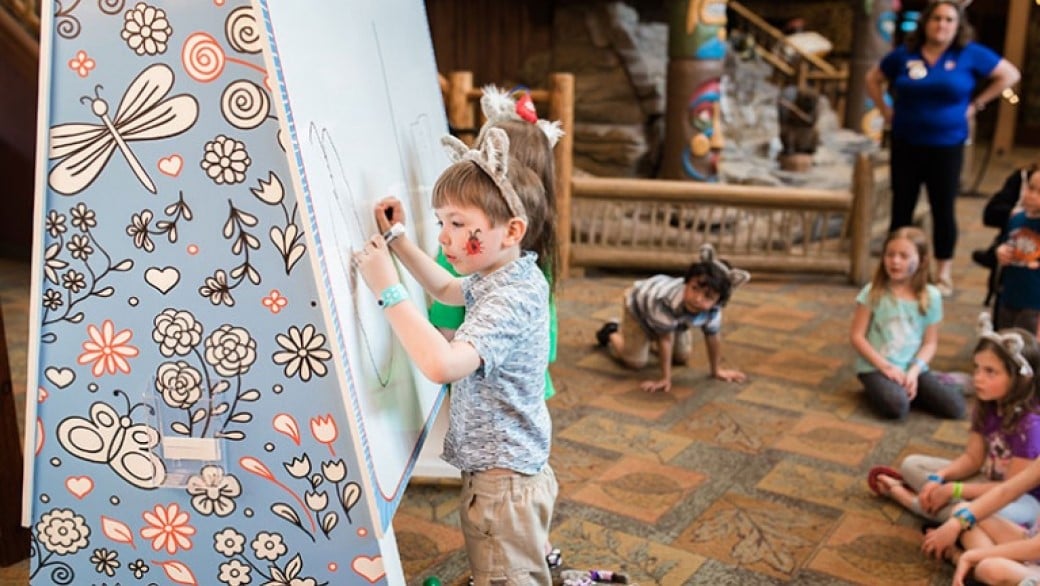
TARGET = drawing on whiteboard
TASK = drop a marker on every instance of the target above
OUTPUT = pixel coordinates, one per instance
(330, 155)
(143, 114)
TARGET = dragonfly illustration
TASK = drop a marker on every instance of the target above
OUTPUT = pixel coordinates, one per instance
(83, 150)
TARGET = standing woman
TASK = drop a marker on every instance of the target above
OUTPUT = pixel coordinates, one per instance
(932, 80)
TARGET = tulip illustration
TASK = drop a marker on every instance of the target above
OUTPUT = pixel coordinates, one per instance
(324, 429)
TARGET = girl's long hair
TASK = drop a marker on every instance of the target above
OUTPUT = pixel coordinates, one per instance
(1024, 393)
(919, 282)
(529, 146)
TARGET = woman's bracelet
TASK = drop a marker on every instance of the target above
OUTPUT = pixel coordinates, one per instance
(965, 517)
(958, 490)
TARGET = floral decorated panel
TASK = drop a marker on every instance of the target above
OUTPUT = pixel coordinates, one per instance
(217, 398)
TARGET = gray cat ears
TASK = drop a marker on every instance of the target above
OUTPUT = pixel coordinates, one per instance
(493, 158)
(498, 104)
(1011, 342)
(737, 277)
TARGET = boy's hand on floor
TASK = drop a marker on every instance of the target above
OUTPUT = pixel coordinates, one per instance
(653, 386)
(730, 375)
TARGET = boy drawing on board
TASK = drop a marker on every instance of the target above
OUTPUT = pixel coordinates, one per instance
(499, 427)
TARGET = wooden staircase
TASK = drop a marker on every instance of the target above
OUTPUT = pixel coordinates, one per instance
(791, 63)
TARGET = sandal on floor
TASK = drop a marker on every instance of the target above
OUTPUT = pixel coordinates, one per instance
(874, 482)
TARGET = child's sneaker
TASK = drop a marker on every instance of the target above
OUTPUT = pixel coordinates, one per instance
(603, 334)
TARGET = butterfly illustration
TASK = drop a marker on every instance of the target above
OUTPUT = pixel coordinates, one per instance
(83, 150)
(114, 439)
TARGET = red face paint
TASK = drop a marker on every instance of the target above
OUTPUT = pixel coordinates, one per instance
(473, 245)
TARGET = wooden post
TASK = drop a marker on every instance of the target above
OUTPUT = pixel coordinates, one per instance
(14, 539)
(460, 111)
(862, 197)
(1014, 51)
(561, 108)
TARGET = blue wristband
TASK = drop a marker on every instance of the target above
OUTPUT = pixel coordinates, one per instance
(921, 364)
(392, 295)
(935, 478)
(966, 518)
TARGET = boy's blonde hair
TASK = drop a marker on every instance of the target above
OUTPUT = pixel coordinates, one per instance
(466, 184)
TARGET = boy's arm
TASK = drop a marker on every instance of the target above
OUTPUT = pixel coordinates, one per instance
(437, 281)
(665, 345)
(439, 360)
(713, 342)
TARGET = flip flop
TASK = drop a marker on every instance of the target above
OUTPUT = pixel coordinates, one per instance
(875, 483)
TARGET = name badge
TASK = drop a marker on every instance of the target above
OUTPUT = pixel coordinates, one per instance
(916, 70)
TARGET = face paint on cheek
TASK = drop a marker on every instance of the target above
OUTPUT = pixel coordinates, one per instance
(911, 267)
(473, 244)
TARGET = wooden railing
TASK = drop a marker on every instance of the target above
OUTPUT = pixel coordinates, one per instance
(791, 62)
(659, 224)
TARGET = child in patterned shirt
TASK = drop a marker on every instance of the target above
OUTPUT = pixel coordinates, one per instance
(499, 428)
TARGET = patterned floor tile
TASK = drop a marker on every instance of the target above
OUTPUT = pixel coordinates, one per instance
(625, 438)
(423, 543)
(844, 492)
(734, 426)
(638, 488)
(771, 316)
(875, 553)
(831, 439)
(769, 339)
(626, 397)
(952, 432)
(795, 398)
(754, 534)
(591, 546)
(797, 366)
(575, 466)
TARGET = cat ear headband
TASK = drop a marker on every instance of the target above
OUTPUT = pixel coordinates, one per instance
(1011, 342)
(737, 277)
(499, 104)
(493, 158)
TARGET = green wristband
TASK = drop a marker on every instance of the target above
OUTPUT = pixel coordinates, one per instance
(958, 490)
(392, 295)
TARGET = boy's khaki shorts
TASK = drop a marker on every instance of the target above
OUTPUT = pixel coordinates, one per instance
(505, 520)
(636, 351)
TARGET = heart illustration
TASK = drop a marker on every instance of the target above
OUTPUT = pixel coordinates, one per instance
(162, 279)
(41, 395)
(171, 165)
(60, 377)
(368, 568)
(79, 486)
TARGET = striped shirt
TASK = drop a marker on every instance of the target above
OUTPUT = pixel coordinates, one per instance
(657, 303)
